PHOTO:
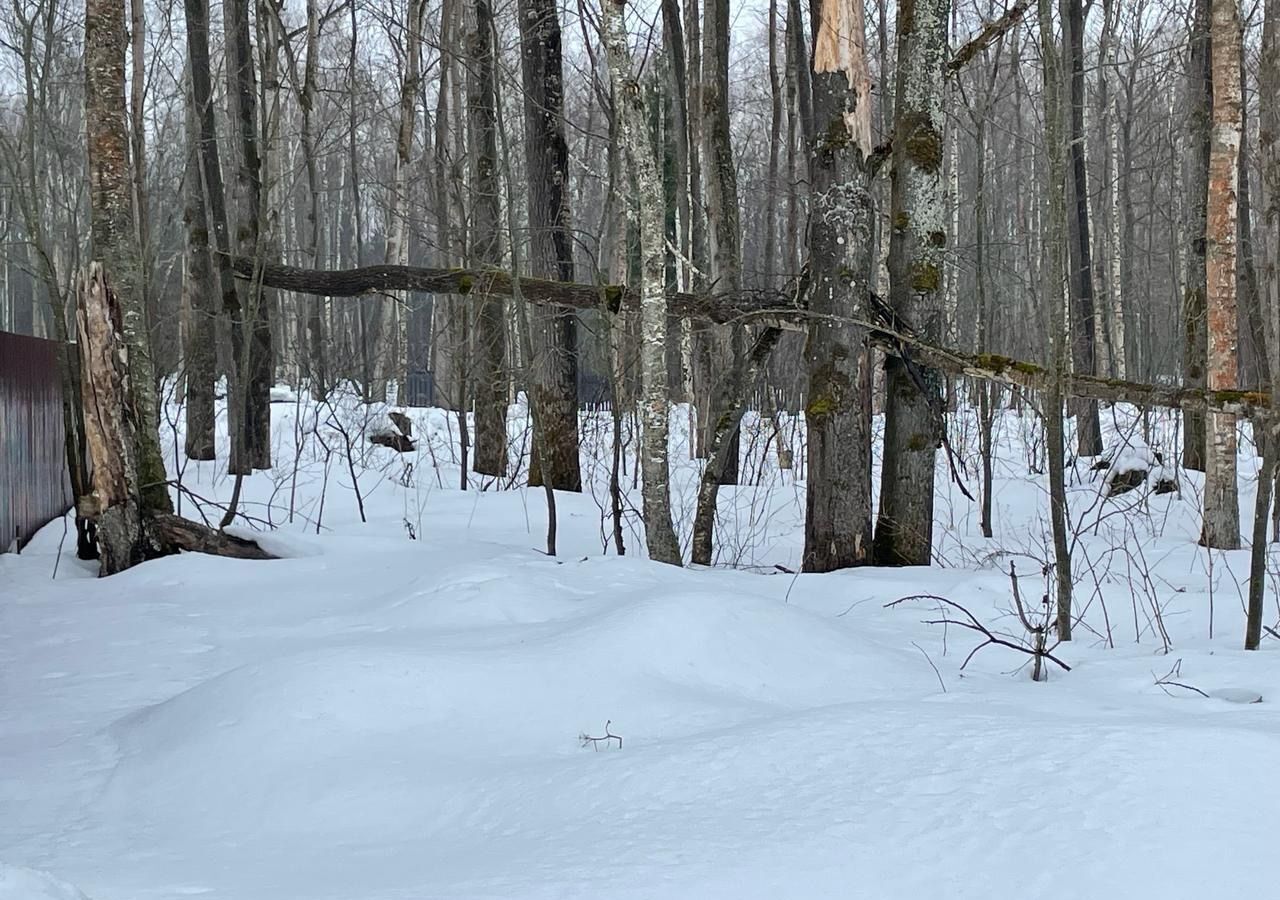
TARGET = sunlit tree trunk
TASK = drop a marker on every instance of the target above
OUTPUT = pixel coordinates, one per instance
(1221, 529)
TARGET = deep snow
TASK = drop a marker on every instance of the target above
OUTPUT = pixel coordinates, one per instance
(384, 717)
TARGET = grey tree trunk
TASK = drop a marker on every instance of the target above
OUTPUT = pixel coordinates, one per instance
(1055, 236)
(1269, 164)
(841, 249)
(630, 117)
(553, 331)
(249, 407)
(917, 249)
(200, 351)
(1199, 123)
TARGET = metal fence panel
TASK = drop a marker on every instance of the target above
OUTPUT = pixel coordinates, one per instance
(34, 487)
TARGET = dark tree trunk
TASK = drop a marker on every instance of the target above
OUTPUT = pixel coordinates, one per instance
(491, 327)
(554, 330)
(201, 343)
(250, 401)
(1083, 316)
(1194, 310)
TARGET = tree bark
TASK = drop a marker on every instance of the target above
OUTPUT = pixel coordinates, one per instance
(1200, 96)
(917, 250)
(655, 408)
(1221, 527)
(1059, 335)
(838, 411)
(201, 344)
(114, 240)
(553, 330)
(1083, 313)
(490, 350)
(250, 385)
(1269, 164)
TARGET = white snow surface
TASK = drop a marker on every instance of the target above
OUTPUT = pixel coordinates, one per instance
(376, 717)
(17, 883)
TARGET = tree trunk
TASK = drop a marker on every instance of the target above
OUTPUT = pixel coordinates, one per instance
(838, 411)
(115, 240)
(1269, 163)
(491, 327)
(201, 346)
(917, 249)
(1221, 528)
(1083, 316)
(1059, 335)
(553, 331)
(655, 408)
(112, 430)
(1200, 97)
(249, 403)
(399, 203)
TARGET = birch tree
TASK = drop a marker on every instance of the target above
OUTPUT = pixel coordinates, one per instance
(629, 110)
(1221, 527)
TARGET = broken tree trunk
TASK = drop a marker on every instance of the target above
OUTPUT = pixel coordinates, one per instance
(111, 427)
(127, 532)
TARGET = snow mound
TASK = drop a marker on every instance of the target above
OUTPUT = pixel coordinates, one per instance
(379, 721)
(17, 883)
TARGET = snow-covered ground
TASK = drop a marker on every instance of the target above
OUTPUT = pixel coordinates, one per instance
(396, 709)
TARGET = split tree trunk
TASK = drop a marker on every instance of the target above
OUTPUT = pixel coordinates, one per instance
(841, 248)
(917, 250)
(142, 490)
(112, 427)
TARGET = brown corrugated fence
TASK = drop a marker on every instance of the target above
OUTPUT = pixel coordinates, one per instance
(33, 470)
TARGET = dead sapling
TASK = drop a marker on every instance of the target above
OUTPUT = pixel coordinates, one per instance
(1035, 645)
(595, 742)
(1170, 680)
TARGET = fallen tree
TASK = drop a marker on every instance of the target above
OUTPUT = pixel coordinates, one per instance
(780, 308)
